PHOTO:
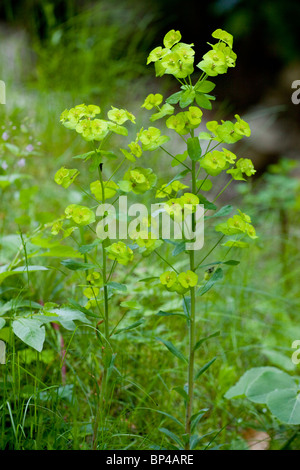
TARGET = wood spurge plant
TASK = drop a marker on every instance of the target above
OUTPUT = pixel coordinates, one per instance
(102, 247)
(205, 157)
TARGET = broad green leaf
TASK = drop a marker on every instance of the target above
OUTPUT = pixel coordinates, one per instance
(16, 303)
(30, 332)
(117, 286)
(241, 387)
(187, 98)
(2, 323)
(170, 346)
(231, 262)
(278, 359)
(285, 405)
(204, 86)
(174, 99)
(4, 272)
(203, 101)
(268, 382)
(65, 316)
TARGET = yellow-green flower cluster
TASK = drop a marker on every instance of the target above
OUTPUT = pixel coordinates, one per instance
(228, 131)
(185, 121)
(237, 225)
(180, 283)
(216, 161)
(244, 166)
(180, 207)
(81, 215)
(138, 180)
(120, 252)
(175, 58)
(82, 119)
(167, 190)
(65, 177)
(147, 243)
(220, 57)
(110, 189)
(153, 101)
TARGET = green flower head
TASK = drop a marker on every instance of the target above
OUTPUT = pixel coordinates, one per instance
(81, 215)
(214, 162)
(120, 252)
(151, 138)
(171, 38)
(168, 278)
(119, 116)
(188, 279)
(152, 101)
(65, 177)
(138, 180)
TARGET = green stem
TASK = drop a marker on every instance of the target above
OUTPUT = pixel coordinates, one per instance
(225, 187)
(102, 398)
(186, 166)
(189, 404)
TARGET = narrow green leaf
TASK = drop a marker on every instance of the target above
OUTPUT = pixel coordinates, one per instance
(231, 262)
(77, 265)
(226, 210)
(161, 313)
(179, 248)
(181, 392)
(202, 340)
(204, 368)
(130, 327)
(217, 276)
(172, 436)
(170, 346)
